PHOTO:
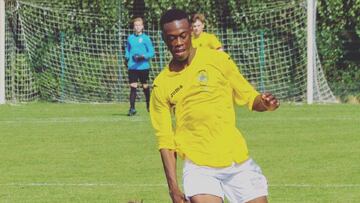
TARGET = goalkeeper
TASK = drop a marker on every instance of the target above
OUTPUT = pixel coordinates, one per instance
(201, 86)
(139, 50)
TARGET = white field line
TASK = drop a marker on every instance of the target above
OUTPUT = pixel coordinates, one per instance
(334, 185)
(73, 120)
(141, 119)
(317, 185)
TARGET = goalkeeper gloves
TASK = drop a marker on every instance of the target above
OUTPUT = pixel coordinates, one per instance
(138, 58)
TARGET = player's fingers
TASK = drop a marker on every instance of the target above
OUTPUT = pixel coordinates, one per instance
(264, 95)
(271, 98)
(268, 97)
(275, 103)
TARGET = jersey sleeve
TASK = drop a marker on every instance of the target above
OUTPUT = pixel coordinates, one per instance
(150, 48)
(127, 49)
(161, 119)
(243, 92)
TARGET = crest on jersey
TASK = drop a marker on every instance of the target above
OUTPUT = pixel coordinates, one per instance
(140, 39)
(203, 77)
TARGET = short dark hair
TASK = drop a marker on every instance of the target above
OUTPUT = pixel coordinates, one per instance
(171, 15)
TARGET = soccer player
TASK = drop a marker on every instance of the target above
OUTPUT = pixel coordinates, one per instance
(201, 38)
(201, 86)
(139, 50)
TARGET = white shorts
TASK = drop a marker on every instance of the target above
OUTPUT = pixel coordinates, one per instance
(238, 182)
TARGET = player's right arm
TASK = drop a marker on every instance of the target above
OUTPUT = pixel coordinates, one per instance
(161, 120)
(127, 49)
(168, 158)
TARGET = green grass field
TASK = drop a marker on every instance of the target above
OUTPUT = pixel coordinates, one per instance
(95, 153)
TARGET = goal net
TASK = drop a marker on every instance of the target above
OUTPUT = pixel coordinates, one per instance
(19, 77)
(71, 55)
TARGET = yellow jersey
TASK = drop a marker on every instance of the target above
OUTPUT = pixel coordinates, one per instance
(206, 40)
(202, 97)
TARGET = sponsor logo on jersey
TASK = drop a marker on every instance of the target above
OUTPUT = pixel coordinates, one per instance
(175, 91)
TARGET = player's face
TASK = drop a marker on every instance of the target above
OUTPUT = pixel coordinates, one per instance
(177, 36)
(138, 26)
(197, 27)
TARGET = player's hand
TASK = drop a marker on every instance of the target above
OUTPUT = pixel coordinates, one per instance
(269, 101)
(177, 197)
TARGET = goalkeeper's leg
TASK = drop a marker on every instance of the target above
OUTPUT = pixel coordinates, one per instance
(132, 97)
(133, 77)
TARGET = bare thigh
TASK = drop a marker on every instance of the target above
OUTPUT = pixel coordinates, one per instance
(205, 199)
(262, 199)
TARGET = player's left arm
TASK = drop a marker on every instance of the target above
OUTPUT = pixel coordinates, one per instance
(150, 49)
(243, 92)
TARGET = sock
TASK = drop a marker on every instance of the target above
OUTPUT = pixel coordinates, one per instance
(147, 96)
(132, 97)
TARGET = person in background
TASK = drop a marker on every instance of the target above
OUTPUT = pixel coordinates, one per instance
(138, 52)
(200, 38)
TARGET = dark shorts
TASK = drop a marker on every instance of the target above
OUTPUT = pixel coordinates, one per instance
(138, 75)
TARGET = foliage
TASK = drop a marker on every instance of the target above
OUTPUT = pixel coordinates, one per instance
(338, 28)
(338, 37)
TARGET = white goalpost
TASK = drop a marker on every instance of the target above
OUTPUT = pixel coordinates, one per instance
(2, 51)
(311, 65)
